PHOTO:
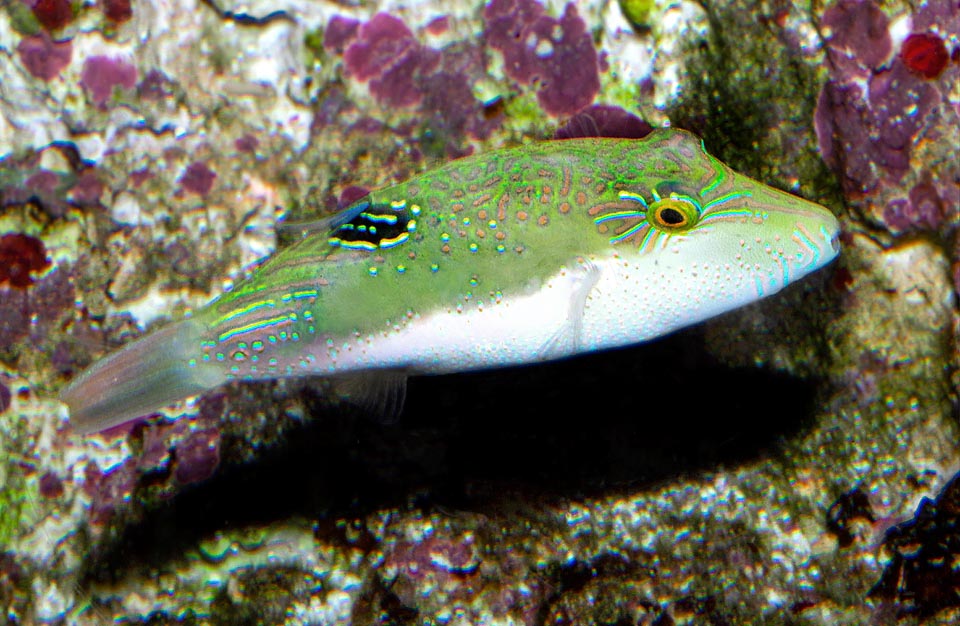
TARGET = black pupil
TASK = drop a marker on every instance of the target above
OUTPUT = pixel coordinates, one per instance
(671, 217)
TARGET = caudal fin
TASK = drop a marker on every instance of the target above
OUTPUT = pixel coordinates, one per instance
(140, 378)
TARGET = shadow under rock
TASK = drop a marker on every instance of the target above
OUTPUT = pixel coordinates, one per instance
(596, 424)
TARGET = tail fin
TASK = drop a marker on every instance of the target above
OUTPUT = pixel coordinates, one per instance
(140, 378)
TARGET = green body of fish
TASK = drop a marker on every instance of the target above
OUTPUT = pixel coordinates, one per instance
(522, 255)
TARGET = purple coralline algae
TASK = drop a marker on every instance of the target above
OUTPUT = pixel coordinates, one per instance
(462, 572)
(43, 57)
(405, 74)
(75, 184)
(340, 32)
(102, 74)
(604, 120)
(880, 108)
(168, 455)
(198, 178)
(923, 208)
(388, 56)
(50, 485)
(32, 312)
(246, 143)
(86, 190)
(556, 54)
(198, 456)
(350, 195)
(108, 490)
(155, 86)
(4, 397)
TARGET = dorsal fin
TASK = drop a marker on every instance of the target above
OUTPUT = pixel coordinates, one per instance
(326, 224)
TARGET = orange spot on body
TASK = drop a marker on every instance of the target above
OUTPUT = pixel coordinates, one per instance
(481, 200)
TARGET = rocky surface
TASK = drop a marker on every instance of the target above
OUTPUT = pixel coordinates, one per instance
(793, 462)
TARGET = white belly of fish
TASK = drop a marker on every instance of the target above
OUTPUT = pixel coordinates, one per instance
(598, 304)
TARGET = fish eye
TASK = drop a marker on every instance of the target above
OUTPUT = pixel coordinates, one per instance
(673, 214)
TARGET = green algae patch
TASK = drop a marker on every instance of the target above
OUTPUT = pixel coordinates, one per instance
(638, 13)
(15, 493)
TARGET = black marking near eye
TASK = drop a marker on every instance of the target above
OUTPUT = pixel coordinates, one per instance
(374, 226)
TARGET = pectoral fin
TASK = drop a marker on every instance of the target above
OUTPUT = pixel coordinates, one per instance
(568, 339)
(378, 393)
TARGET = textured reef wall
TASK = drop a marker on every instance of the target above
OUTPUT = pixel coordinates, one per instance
(793, 462)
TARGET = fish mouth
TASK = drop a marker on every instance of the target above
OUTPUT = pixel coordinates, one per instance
(830, 231)
(820, 224)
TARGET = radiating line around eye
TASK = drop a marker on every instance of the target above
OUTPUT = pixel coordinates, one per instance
(726, 214)
(620, 215)
(718, 168)
(635, 197)
(629, 232)
(690, 199)
(733, 195)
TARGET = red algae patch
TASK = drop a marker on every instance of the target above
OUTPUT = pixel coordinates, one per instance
(21, 255)
(53, 14)
(117, 11)
(924, 54)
